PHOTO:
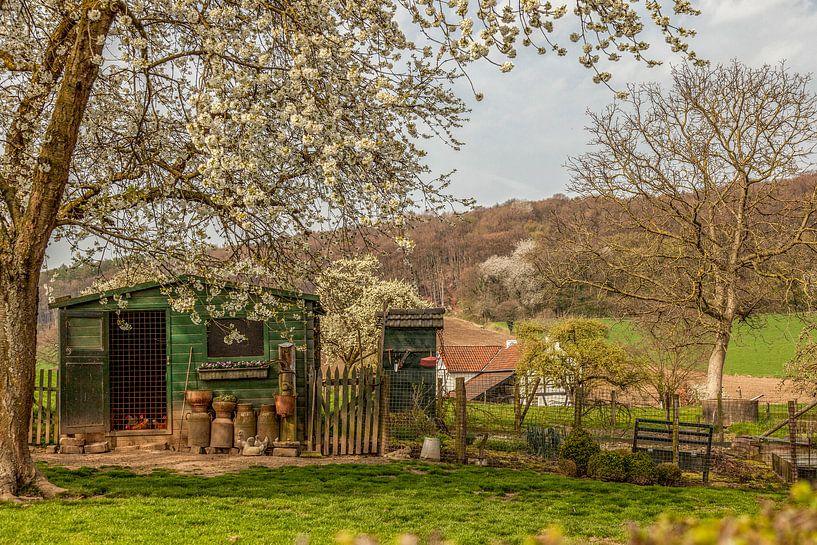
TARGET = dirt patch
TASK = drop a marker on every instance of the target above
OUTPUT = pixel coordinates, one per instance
(774, 390)
(144, 461)
(460, 332)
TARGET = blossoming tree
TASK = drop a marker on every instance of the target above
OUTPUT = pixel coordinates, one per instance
(164, 127)
(353, 293)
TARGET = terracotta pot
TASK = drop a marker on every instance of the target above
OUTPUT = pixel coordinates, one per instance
(224, 409)
(285, 405)
(198, 400)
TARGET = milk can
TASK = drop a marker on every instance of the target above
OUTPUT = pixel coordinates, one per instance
(221, 435)
(198, 429)
(267, 423)
(245, 422)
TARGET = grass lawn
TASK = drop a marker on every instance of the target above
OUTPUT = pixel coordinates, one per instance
(759, 348)
(468, 505)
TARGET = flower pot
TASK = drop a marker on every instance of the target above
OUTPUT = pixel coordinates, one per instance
(234, 373)
(285, 405)
(198, 400)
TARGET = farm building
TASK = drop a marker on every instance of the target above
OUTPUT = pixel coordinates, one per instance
(489, 373)
(126, 355)
(409, 351)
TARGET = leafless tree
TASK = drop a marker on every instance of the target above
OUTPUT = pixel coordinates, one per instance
(698, 206)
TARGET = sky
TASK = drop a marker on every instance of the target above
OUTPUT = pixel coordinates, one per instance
(533, 118)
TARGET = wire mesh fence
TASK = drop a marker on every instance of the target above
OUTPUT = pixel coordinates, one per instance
(520, 414)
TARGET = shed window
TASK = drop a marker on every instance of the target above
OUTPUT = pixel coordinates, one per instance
(219, 337)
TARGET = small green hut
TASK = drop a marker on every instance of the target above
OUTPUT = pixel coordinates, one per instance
(410, 336)
(126, 354)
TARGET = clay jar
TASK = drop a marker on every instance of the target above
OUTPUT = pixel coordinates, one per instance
(221, 435)
(267, 423)
(245, 422)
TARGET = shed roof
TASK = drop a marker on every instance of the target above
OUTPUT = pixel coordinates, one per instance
(64, 302)
(484, 382)
(410, 318)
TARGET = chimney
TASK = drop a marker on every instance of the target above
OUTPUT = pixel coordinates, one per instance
(510, 342)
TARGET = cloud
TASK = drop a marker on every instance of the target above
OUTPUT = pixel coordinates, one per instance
(533, 118)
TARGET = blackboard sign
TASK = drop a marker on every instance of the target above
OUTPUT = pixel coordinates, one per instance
(219, 329)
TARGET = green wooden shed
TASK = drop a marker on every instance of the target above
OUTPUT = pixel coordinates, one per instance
(126, 354)
(409, 336)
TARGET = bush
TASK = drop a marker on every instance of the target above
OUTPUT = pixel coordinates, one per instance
(641, 469)
(667, 474)
(579, 447)
(566, 467)
(608, 465)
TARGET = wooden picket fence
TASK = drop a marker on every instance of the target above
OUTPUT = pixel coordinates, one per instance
(344, 415)
(44, 427)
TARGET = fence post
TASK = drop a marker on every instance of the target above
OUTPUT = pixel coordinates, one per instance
(793, 439)
(385, 400)
(675, 424)
(461, 421)
(517, 406)
(439, 409)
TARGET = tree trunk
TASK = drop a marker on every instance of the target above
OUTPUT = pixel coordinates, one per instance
(18, 346)
(578, 406)
(714, 372)
(23, 250)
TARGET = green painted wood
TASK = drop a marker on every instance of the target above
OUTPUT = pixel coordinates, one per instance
(84, 406)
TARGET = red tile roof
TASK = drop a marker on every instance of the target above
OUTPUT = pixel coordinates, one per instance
(468, 359)
(505, 360)
(473, 359)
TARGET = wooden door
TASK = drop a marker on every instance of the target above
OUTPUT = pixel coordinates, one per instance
(84, 404)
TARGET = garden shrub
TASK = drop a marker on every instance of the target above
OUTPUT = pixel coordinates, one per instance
(667, 474)
(579, 447)
(566, 467)
(608, 465)
(641, 469)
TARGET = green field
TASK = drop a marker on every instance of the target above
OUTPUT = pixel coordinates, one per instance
(467, 505)
(759, 348)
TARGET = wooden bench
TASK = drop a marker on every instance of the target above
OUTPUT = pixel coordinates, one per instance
(655, 438)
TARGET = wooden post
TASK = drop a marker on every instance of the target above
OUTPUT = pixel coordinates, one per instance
(461, 421)
(676, 404)
(385, 400)
(793, 439)
(439, 393)
(613, 403)
(517, 406)
(48, 412)
(40, 409)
